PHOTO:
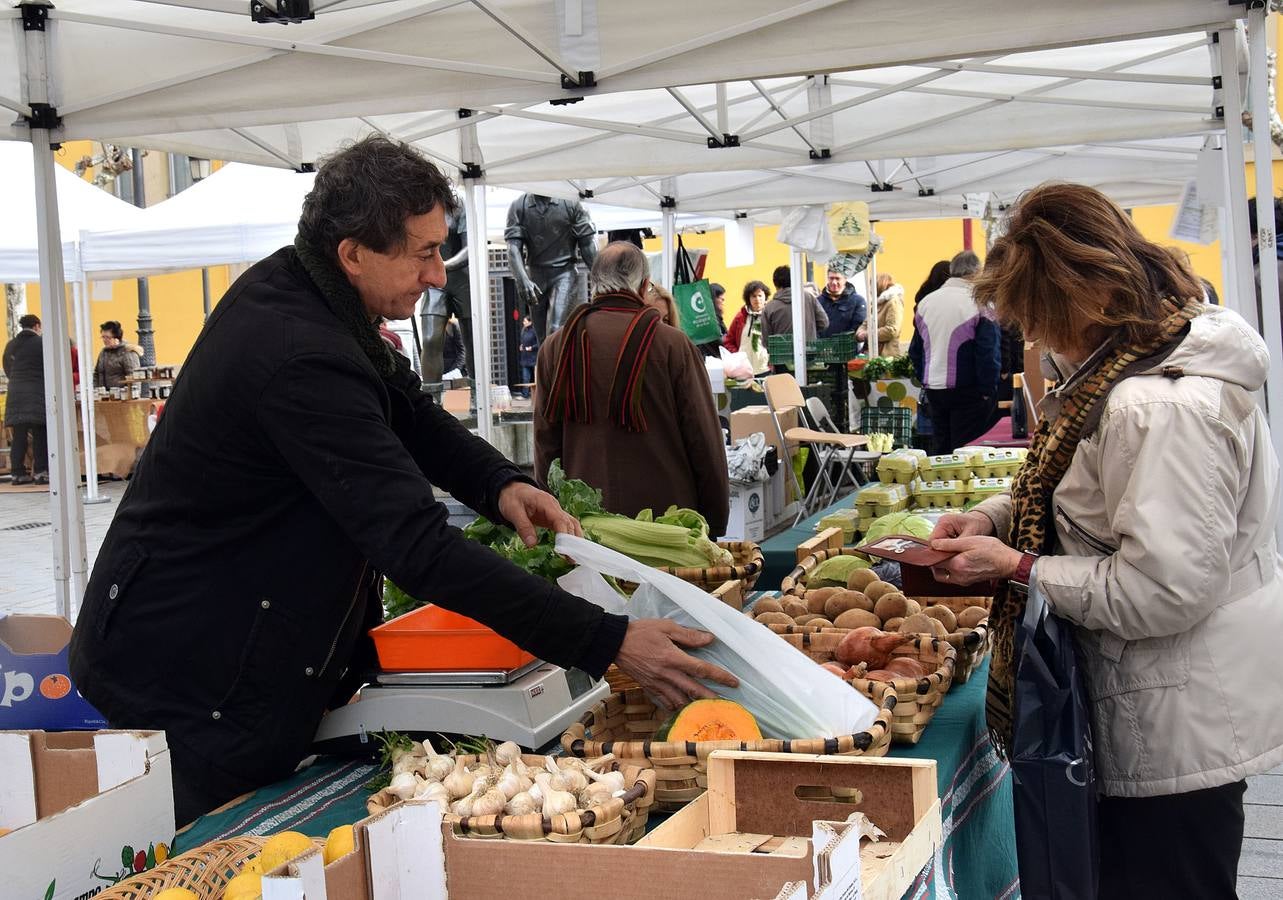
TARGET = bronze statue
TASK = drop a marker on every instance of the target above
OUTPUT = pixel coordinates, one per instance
(548, 230)
(455, 297)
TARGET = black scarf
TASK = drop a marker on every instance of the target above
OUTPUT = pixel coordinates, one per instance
(345, 303)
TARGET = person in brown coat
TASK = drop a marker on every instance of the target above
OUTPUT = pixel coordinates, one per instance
(633, 415)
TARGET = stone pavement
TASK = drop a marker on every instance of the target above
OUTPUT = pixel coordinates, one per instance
(26, 585)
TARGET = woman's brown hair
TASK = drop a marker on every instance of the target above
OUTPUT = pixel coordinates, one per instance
(1072, 259)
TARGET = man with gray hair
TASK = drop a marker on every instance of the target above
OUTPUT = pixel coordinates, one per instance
(624, 402)
(957, 356)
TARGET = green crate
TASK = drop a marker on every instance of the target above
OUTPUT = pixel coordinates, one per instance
(897, 422)
(838, 348)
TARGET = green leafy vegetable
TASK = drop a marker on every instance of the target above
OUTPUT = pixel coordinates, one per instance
(898, 523)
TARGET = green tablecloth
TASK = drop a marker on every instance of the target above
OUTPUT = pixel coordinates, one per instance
(976, 860)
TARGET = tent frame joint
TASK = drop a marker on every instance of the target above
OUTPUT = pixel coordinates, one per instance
(821, 153)
(585, 79)
(726, 140)
(668, 202)
(472, 170)
(926, 192)
(44, 115)
(586, 194)
(305, 168)
(287, 12)
(35, 16)
(882, 187)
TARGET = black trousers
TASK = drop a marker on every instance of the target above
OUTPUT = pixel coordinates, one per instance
(18, 451)
(1175, 846)
(958, 417)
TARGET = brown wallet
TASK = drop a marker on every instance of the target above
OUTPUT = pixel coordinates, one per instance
(916, 558)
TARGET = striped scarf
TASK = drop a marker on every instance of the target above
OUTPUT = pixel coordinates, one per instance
(570, 395)
(1052, 450)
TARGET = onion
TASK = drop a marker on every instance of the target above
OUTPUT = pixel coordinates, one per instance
(869, 645)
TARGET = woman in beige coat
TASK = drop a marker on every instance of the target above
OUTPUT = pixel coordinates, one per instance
(1146, 516)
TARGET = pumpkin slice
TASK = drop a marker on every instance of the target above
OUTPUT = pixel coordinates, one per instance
(710, 720)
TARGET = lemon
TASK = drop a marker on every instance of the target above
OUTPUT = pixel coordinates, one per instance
(245, 886)
(175, 894)
(340, 842)
(281, 848)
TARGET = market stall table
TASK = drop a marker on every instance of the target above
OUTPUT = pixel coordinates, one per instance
(977, 858)
(121, 433)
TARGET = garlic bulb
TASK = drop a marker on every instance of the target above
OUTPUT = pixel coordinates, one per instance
(459, 782)
(433, 790)
(507, 753)
(558, 802)
(439, 765)
(536, 792)
(521, 805)
(403, 785)
(510, 783)
(559, 779)
(462, 807)
(491, 803)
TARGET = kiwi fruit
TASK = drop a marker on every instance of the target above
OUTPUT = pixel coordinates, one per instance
(767, 604)
(893, 624)
(972, 616)
(893, 605)
(775, 618)
(794, 607)
(876, 589)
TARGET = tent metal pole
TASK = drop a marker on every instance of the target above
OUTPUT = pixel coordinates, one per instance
(205, 298)
(668, 254)
(799, 300)
(871, 285)
(64, 464)
(1271, 326)
(89, 443)
(474, 201)
(1235, 167)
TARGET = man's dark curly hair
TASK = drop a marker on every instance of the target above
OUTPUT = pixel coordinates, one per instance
(366, 192)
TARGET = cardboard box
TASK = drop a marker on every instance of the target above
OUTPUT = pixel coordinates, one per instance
(747, 520)
(753, 419)
(87, 810)
(35, 688)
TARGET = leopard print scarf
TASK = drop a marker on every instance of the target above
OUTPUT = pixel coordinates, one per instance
(1052, 450)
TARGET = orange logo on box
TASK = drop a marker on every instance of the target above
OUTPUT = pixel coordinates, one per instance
(55, 687)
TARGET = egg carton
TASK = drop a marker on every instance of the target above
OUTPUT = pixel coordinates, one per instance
(900, 466)
(941, 494)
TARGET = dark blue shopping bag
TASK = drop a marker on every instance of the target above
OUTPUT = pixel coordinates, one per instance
(1054, 785)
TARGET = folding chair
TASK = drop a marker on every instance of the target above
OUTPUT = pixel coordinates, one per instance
(782, 395)
(852, 473)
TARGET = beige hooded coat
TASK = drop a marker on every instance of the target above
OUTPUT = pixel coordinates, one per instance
(1166, 560)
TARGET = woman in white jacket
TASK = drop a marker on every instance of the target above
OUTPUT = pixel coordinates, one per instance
(1145, 515)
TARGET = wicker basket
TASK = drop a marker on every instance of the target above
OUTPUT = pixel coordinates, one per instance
(620, 820)
(623, 724)
(917, 698)
(747, 566)
(204, 870)
(795, 582)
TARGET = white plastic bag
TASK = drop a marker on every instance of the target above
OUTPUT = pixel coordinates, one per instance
(806, 228)
(789, 694)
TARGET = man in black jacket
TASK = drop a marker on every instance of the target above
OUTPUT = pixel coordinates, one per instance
(24, 411)
(294, 465)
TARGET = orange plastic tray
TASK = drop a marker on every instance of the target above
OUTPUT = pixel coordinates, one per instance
(433, 639)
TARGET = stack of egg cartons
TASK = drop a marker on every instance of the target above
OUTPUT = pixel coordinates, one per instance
(900, 466)
(877, 499)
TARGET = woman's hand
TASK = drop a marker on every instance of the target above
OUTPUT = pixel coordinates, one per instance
(979, 558)
(651, 653)
(958, 525)
(526, 508)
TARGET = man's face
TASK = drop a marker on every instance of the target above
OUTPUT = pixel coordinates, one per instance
(391, 283)
(837, 283)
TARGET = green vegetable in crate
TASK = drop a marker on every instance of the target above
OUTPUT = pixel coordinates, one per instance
(710, 720)
(655, 543)
(835, 571)
(898, 523)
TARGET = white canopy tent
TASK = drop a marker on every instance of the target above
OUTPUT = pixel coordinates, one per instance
(242, 213)
(201, 73)
(81, 207)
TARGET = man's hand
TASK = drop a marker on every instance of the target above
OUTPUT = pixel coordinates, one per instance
(650, 653)
(862, 333)
(979, 558)
(526, 507)
(957, 525)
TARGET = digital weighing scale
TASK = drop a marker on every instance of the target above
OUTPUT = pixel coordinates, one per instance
(531, 705)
